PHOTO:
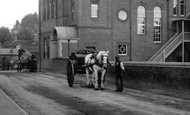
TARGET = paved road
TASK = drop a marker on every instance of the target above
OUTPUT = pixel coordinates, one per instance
(41, 94)
(9, 107)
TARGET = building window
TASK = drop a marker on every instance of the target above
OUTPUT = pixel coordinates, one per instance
(141, 20)
(94, 8)
(122, 48)
(175, 7)
(182, 7)
(157, 25)
(179, 7)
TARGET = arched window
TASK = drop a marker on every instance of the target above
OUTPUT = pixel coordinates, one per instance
(157, 25)
(182, 7)
(141, 20)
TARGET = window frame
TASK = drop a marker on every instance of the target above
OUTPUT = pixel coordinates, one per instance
(157, 28)
(94, 9)
(126, 48)
(141, 20)
(179, 8)
(184, 9)
(175, 3)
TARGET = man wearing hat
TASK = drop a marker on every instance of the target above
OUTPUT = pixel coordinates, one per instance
(119, 68)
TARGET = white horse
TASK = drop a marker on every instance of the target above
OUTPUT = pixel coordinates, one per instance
(89, 62)
(100, 66)
(94, 65)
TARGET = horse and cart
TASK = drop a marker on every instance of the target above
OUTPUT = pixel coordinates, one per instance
(26, 61)
(93, 64)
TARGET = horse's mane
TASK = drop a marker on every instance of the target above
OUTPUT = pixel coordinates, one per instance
(98, 56)
(87, 57)
(100, 53)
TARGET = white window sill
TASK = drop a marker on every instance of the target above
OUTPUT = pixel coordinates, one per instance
(157, 42)
(122, 54)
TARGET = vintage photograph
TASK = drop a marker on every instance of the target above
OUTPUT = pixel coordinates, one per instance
(95, 57)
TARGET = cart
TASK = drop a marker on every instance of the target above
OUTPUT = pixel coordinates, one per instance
(70, 72)
(75, 65)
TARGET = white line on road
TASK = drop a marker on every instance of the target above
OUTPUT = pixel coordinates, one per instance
(12, 101)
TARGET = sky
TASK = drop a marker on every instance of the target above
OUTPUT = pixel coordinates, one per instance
(12, 10)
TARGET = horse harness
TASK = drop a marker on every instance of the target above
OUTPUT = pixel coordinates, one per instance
(98, 62)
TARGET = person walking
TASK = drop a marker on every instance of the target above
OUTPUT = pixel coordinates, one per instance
(119, 69)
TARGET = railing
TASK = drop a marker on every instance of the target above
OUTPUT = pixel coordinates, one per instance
(173, 45)
(167, 48)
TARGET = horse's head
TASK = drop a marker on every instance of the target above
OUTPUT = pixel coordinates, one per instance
(89, 59)
(102, 58)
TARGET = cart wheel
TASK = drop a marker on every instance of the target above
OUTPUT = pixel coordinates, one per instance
(70, 74)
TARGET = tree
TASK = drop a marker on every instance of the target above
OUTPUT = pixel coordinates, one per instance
(5, 37)
(27, 28)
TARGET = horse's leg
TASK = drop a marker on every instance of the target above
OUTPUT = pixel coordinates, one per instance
(92, 79)
(87, 77)
(96, 77)
(19, 67)
(102, 78)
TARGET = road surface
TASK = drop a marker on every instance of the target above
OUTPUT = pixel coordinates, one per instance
(42, 94)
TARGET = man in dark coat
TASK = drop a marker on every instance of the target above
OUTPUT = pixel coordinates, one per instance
(119, 69)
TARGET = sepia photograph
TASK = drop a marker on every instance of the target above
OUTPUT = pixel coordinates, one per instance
(95, 57)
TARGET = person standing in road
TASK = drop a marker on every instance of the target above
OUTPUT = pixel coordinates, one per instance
(119, 69)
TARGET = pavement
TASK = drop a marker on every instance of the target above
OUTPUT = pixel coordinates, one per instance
(49, 94)
(8, 106)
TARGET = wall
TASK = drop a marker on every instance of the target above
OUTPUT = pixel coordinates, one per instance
(141, 75)
(95, 32)
(142, 45)
(104, 19)
(54, 65)
(100, 38)
(121, 29)
(169, 75)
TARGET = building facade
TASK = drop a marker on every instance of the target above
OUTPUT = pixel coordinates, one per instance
(138, 30)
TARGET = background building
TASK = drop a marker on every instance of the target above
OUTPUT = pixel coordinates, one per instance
(138, 30)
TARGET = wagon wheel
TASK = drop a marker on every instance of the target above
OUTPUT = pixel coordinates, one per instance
(70, 73)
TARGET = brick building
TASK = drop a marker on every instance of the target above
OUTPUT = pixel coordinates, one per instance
(138, 30)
